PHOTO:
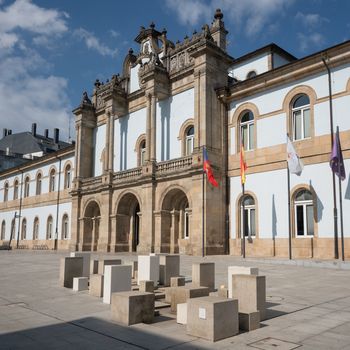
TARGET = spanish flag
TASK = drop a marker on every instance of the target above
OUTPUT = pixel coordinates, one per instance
(243, 165)
(208, 170)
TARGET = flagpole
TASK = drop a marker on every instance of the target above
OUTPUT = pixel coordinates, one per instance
(243, 224)
(340, 201)
(203, 250)
(289, 218)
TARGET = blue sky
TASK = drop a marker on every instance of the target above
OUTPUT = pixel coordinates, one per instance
(51, 51)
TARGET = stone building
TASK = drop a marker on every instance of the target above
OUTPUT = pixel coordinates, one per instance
(138, 180)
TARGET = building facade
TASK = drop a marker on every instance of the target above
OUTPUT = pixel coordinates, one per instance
(137, 178)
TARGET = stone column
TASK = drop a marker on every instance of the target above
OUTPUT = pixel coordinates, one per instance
(174, 232)
(93, 234)
(148, 128)
(77, 150)
(113, 242)
(153, 128)
(111, 144)
(106, 148)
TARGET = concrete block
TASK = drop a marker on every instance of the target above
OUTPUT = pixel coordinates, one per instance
(70, 268)
(250, 290)
(179, 295)
(181, 313)
(223, 292)
(212, 318)
(132, 307)
(80, 283)
(86, 261)
(239, 270)
(203, 275)
(148, 268)
(177, 281)
(96, 285)
(134, 267)
(106, 262)
(146, 286)
(93, 266)
(117, 278)
(169, 266)
(248, 321)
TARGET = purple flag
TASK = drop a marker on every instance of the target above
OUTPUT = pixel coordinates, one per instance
(336, 163)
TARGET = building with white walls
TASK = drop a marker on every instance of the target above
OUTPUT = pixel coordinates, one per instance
(138, 181)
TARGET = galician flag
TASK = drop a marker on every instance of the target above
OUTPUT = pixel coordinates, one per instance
(295, 164)
(337, 163)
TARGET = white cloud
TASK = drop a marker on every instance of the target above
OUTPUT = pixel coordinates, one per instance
(93, 43)
(8, 40)
(253, 14)
(311, 40)
(311, 19)
(114, 34)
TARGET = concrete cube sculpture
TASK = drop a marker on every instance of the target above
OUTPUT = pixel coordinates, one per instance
(177, 281)
(179, 295)
(134, 267)
(132, 307)
(148, 268)
(96, 285)
(93, 266)
(212, 318)
(70, 268)
(86, 261)
(250, 290)
(105, 262)
(146, 286)
(203, 275)
(249, 321)
(80, 284)
(169, 266)
(117, 278)
(239, 270)
(181, 313)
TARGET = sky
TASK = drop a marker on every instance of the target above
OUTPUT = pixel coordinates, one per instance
(53, 51)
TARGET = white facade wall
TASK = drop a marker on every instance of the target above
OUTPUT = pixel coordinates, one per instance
(271, 131)
(259, 64)
(171, 114)
(134, 79)
(270, 189)
(99, 142)
(127, 130)
(279, 61)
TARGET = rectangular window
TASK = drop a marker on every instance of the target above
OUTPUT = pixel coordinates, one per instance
(300, 220)
(251, 136)
(297, 125)
(310, 220)
(307, 123)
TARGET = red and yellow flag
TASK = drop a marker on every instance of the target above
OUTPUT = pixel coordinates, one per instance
(208, 170)
(243, 165)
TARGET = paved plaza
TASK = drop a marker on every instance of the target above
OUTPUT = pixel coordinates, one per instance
(308, 308)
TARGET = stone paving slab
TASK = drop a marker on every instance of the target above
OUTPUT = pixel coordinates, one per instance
(308, 305)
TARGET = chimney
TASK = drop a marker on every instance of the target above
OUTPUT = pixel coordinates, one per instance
(9, 132)
(56, 133)
(34, 129)
(47, 133)
(4, 132)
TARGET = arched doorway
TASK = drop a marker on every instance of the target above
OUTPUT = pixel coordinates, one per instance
(175, 221)
(128, 223)
(91, 224)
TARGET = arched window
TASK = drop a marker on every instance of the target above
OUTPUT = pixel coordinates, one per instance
(65, 226)
(26, 186)
(36, 228)
(6, 192)
(15, 190)
(247, 130)
(13, 228)
(301, 117)
(67, 176)
(3, 229)
(304, 213)
(24, 229)
(142, 152)
(52, 180)
(38, 184)
(49, 227)
(248, 224)
(251, 74)
(189, 141)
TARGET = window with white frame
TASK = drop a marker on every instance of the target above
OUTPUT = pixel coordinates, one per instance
(6, 192)
(36, 228)
(49, 227)
(52, 180)
(189, 142)
(301, 117)
(38, 184)
(304, 214)
(24, 229)
(3, 229)
(248, 225)
(65, 226)
(26, 186)
(15, 190)
(247, 130)
(67, 176)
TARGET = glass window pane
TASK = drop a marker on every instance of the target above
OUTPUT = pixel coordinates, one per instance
(252, 222)
(247, 117)
(303, 195)
(251, 136)
(307, 123)
(300, 220)
(302, 100)
(297, 125)
(248, 200)
(310, 219)
(245, 222)
(244, 136)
